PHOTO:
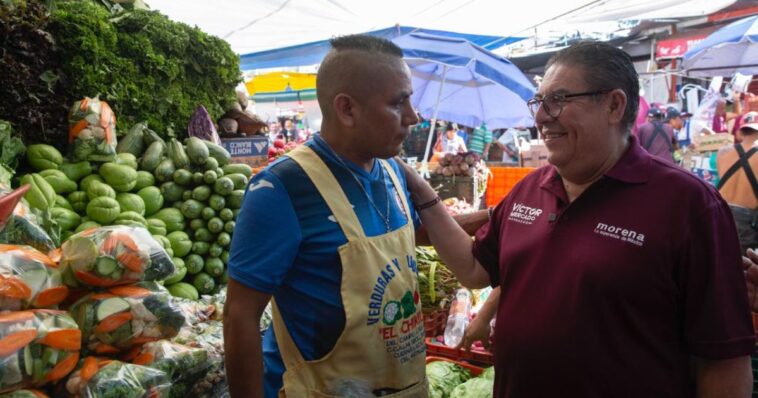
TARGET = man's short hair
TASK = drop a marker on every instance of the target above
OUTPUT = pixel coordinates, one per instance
(338, 73)
(371, 44)
(606, 67)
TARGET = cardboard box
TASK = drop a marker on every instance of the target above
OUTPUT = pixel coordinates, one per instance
(252, 151)
(712, 142)
(535, 156)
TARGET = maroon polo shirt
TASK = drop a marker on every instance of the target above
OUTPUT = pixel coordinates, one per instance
(610, 295)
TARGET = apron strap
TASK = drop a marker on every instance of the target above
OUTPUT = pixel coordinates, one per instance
(330, 190)
(398, 188)
(290, 354)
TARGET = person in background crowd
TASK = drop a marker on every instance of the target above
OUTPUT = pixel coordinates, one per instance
(508, 142)
(449, 142)
(480, 140)
(739, 110)
(738, 185)
(461, 131)
(328, 232)
(290, 132)
(619, 272)
(274, 131)
(657, 137)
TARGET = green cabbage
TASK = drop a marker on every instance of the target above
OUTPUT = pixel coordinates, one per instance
(488, 373)
(475, 388)
(443, 377)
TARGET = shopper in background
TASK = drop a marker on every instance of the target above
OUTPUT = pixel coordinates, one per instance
(738, 185)
(449, 142)
(657, 137)
(290, 132)
(328, 231)
(619, 272)
(480, 140)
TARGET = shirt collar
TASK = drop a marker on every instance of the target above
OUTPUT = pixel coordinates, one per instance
(633, 167)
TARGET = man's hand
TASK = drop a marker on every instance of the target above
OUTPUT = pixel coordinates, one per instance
(477, 330)
(750, 265)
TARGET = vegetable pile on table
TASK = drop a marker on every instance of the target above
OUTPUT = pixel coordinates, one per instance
(450, 380)
(437, 284)
(186, 195)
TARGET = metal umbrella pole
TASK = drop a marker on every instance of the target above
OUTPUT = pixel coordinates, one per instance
(424, 171)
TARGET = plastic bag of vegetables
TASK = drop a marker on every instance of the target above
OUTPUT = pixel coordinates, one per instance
(92, 131)
(114, 255)
(28, 279)
(123, 317)
(101, 378)
(24, 394)
(443, 377)
(18, 225)
(183, 365)
(37, 347)
(210, 338)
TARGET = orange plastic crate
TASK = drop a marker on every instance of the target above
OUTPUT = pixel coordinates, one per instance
(437, 348)
(502, 181)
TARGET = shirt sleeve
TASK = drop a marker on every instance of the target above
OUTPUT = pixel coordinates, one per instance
(717, 321)
(486, 248)
(267, 236)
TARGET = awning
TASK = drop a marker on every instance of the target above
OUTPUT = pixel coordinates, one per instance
(280, 81)
(676, 45)
(312, 53)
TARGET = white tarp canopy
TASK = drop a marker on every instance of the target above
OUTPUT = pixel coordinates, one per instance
(251, 26)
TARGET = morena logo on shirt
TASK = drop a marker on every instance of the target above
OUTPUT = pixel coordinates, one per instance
(524, 214)
(620, 233)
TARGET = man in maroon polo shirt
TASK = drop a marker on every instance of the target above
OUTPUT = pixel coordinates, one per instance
(619, 272)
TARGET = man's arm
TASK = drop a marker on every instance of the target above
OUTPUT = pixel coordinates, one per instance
(470, 223)
(242, 339)
(728, 378)
(452, 243)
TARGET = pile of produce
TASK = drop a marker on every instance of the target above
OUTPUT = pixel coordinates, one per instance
(437, 284)
(28, 279)
(450, 380)
(186, 196)
(146, 66)
(279, 148)
(462, 164)
(455, 206)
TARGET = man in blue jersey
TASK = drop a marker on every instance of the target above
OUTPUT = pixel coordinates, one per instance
(327, 231)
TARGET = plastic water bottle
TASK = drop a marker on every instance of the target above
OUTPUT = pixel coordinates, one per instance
(458, 318)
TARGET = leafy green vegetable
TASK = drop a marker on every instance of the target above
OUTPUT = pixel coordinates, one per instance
(477, 387)
(147, 67)
(11, 148)
(444, 377)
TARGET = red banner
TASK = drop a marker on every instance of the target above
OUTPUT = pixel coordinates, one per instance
(675, 48)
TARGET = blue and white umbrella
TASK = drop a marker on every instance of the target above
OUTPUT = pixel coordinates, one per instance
(457, 81)
(733, 48)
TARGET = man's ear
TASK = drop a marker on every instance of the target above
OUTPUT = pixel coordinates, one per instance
(344, 109)
(617, 105)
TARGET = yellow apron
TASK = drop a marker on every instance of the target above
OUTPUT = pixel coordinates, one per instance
(382, 346)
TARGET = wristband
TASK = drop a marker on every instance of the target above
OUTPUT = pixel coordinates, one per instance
(428, 204)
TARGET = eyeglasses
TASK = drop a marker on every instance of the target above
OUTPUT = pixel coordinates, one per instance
(553, 103)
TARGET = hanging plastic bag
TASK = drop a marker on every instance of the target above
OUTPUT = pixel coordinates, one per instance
(37, 347)
(100, 378)
(114, 255)
(92, 131)
(18, 225)
(28, 279)
(123, 317)
(184, 366)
